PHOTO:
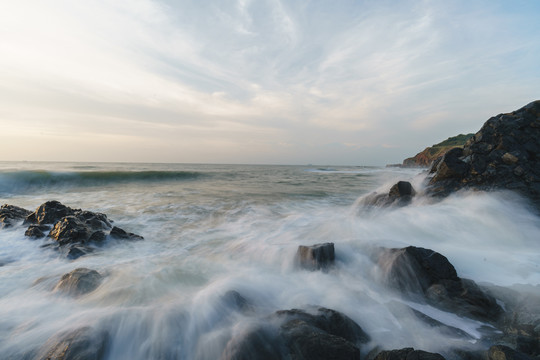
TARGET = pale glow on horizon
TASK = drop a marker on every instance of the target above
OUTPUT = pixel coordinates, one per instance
(267, 81)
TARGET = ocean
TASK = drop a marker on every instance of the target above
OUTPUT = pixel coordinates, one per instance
(210, 229)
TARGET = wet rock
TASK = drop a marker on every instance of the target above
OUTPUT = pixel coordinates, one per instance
(79, 282)
(501, 352)
(49, 213)
(73, 230)
(317, 333)
(36, 231)
(118, 233)
(258, 343)
(502, 155)
(400, 194)
(307, 342)
(521, 321)
(75, 251)
(70, 230)
(315, 257)
(426, 275)
(10, 215)
(402, 188)
(408, 354)
(81, 344)
(450, 166)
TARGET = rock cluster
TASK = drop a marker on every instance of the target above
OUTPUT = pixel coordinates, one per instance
(73, 231)
(504, 154)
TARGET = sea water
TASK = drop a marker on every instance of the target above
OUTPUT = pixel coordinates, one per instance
(210, 229)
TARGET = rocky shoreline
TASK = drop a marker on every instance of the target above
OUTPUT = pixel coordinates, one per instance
(502, 155)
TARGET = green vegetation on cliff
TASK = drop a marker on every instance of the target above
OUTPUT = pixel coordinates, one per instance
(426, 157)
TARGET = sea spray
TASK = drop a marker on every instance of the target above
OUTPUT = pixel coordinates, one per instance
(237, 228)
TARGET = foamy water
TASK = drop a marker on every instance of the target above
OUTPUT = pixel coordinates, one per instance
(210, 229)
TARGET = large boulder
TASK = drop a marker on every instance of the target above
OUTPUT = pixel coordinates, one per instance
(81, 344)
(426, 275)
(315, 257)
(49, 213)
(400, 194)
(318, 333)
(10, 215)
(502, 155)
(79, 282)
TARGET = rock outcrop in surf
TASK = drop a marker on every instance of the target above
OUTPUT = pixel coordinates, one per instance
(74, 232)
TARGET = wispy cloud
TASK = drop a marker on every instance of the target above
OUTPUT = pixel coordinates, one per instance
(215, 81)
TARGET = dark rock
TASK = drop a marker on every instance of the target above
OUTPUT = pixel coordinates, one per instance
(502, 155)
(408, 354)
(306, 342)
(424, 274)
(10, 215)
(400, 194)
(501, 352)
(315, 257)
(118, 233)
(36, 231)
(450, 165)
(73, 230)
(328, 320)
(259, 343)
(521, 322)
(81, 344)
(74, 252)
(49, 213)
(69, 230)
(297, 334)
(402, 188)
(79, 281)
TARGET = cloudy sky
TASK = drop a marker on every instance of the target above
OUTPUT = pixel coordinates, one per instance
(363, 82)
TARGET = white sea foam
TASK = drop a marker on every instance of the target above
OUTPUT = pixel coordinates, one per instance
(238, 228)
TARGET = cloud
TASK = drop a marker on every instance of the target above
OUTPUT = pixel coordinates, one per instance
(223, 79)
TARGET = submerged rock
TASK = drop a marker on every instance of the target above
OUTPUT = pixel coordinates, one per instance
(79, 281)
(318, 333)
(502, 155)
(424, 274)
(81, 344)
(408, 354)
(118, 233)
(10, 215)
(315, 257)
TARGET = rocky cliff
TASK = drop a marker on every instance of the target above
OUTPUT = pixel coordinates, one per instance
(504, 154)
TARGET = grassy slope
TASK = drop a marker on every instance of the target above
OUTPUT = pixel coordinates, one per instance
(431, 153)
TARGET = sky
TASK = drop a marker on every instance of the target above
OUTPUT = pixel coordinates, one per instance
(343, 82)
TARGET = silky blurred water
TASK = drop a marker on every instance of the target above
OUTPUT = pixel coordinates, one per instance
(209, 229)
